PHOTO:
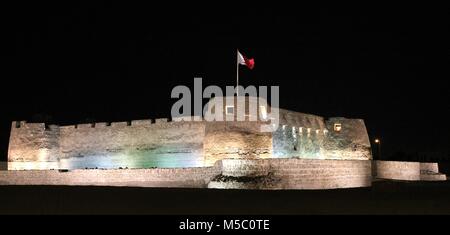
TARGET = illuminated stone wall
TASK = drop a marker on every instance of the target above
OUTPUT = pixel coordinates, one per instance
(351, 142)
(310, 136)
(138, 144)
(292, 173)
(298, 134)
(228, 173)
(163, 143)
(194, 177)
(225, 138)
(134, 139)
(33, 144)
(236, 140)
(411, 171)
(274, 173)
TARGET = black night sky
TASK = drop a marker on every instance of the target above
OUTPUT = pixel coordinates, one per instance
(115, 62)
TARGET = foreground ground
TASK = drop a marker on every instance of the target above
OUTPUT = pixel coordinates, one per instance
(385, 197)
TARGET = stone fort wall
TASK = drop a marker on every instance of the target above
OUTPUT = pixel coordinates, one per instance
(310, 136)
(194, 177)
(292, 173)
(409, 171)
(143, 143)
(41, 145)
(140, 135)
(37, 146)
(272, 174)
(126, 144)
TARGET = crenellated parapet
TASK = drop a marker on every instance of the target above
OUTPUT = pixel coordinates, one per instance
(51, 145)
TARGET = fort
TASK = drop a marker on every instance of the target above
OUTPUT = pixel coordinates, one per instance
(303, 151)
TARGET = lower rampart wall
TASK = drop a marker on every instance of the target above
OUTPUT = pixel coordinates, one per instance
(398, 170)
(293, 173)
(283, 173)
(429, 167)
(411, 171)
(227, 173)
(196, 177)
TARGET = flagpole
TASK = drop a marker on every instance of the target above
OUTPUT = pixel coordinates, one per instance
(237, 72)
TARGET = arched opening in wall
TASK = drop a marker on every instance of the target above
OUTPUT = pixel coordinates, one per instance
(17, 124)
(108, 124)
(128, 123)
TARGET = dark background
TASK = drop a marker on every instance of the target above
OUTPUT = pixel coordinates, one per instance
(76, 62)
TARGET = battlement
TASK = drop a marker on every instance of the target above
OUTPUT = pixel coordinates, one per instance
(25, 124)
(133, 123)
(287, 119)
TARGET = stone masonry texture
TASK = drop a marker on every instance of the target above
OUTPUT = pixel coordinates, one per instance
(197, 143)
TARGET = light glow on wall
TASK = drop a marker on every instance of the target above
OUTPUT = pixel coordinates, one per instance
(337, 127)
(263, 112)
(134, 159)
(43, 155)
(32, 165)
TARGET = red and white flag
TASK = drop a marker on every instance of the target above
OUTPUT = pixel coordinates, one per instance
(243, 60)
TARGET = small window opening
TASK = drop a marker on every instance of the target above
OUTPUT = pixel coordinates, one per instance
(337, 127)
(229, 110)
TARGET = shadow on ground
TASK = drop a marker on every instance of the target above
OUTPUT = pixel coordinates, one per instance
(385, 197)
